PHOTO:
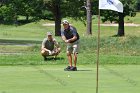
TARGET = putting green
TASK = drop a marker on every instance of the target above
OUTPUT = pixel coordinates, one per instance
(52, 79)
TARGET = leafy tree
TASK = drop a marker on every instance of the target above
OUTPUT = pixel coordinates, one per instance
(138, 5)
(29, 8)
(54, 7)
(64, 8)
(11, 9)
(6, 12)
(72, 8)
(58, 9)
(112, 16)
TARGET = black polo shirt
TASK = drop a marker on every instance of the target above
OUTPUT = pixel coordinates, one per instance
(70, 33)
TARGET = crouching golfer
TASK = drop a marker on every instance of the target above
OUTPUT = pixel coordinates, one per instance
(71, 38)
(50, 47)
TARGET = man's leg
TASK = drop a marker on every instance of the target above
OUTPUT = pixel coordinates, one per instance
(55, 52)
(69, 52)
(75, 53)
(69, 58)
(75, 59)
(70, 62)
(44, 54)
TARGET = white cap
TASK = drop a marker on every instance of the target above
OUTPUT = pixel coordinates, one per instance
(49, 33)
(65, 22)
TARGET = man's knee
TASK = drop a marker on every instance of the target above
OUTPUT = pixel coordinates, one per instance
(68, 53)
(59, 50)
(43, 53)
(75, 54)
(55, 53)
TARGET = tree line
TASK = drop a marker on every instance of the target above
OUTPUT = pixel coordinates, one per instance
(11, 10)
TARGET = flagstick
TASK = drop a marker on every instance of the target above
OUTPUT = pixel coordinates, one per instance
(98, 52)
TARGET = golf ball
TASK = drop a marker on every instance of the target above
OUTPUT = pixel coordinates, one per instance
(68, 75)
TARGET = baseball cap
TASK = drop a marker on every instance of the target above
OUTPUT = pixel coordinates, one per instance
(65, 22)
(49, 33)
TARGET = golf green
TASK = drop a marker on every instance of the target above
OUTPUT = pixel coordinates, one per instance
(52, 79)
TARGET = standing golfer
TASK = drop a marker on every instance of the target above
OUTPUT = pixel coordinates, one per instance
(50, 46)
(71, 38)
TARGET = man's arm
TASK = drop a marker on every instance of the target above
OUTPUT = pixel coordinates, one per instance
(72, 39)
(43, 44)
(69, 40)
(63, 38)
(57, 45)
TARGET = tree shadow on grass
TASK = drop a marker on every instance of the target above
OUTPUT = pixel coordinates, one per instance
(52, 58)
(84, 70)
(15, 42)
(17, 22)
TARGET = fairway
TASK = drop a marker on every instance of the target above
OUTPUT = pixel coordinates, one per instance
(52, 79)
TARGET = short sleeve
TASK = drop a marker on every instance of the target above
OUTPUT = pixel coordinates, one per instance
(62, 32)
(74, 31)
(55, 42)
(43, 42)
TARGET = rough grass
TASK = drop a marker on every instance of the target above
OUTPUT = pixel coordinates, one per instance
(21, 45)
(113, 50)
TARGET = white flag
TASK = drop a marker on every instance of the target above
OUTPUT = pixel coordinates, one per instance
(115, 5)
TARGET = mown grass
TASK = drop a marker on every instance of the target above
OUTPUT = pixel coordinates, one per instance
(24, 32)
(52, 79)
(135, 19)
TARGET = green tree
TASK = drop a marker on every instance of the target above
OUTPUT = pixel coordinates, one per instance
(138, 5)
(27, 8)
(54, 7)
(129, 10)
(64, 8)
(6, 12)
(11, 9)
